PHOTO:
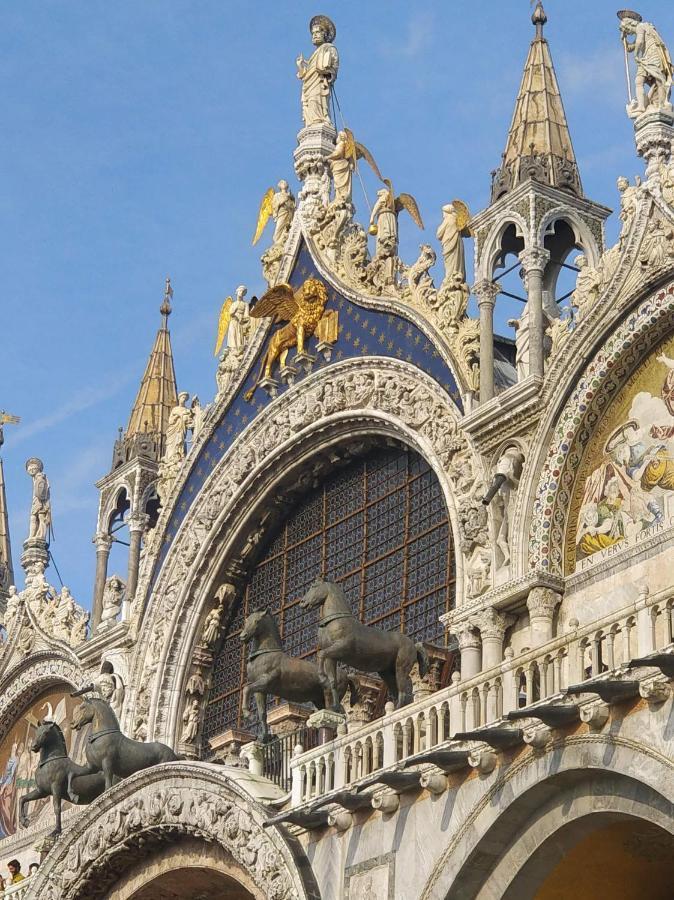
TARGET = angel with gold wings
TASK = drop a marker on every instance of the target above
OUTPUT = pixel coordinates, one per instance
(301, 309)
(280, 206)
(450, 233)
(343, 161)
(384, 220)
(234, 323)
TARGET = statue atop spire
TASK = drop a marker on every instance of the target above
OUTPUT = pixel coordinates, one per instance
(319, 72)
(655, 70)
(165, 308)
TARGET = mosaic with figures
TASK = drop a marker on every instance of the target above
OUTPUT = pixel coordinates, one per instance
(624, 492)
(378, 526)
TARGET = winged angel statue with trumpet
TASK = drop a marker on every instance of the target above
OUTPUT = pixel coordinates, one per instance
(302, 310)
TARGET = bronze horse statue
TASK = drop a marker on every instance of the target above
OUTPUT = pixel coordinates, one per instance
(58, 776)
(107, 749)
(342, 638)
(270, 670)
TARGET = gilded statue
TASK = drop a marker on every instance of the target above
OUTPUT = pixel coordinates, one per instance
(278, 205)
(301, 309)
(450, 233)
(343, 161)
(384, 224)
(234, 323)
(655, 69)
(319, 72)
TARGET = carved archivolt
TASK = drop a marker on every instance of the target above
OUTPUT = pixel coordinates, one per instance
(29, 679)
(162, 804)
(380, 396)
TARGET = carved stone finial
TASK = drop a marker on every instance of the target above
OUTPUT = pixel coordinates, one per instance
(539, 19)
(165, 308)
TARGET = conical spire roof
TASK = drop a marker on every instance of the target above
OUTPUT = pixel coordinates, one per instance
(157, 394)
(6, 569)
(539, 144)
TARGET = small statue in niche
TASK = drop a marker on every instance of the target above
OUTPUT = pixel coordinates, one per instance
(503, 487)
(113, 595)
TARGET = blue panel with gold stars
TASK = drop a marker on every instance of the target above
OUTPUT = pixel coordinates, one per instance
(362, 332)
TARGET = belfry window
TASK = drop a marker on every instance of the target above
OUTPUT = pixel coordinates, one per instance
(379, 527)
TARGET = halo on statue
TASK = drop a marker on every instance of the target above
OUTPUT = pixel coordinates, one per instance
(462, 217)
(328, 26)
(629, 14)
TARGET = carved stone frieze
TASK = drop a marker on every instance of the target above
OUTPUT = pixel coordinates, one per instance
(163, 804)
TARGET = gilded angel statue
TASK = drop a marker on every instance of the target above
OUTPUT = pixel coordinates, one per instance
(234, 323)
(278, 205)
(301, 309)
(343, 161)
(384, 223)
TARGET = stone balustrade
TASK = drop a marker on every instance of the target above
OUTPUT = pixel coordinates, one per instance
(544, 673)
(17, 891)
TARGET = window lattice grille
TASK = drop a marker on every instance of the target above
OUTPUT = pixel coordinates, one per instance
(379, 527)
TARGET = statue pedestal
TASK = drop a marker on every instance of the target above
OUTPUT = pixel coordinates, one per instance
(315, 143)
(654, 133)
(328, 724)
(286, 718)
(35, 557)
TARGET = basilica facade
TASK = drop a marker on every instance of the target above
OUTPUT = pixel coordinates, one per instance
(396, 619)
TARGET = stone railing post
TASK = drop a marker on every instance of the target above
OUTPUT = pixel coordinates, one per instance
(534, 262)
(541, 604)
(103, 544)
(469, 647)
(486, 292)
(297, 786)
(492, 626)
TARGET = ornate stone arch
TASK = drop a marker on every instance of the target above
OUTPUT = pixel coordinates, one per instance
(568, 425)
(364, 397)
(28, 679)
(488, 252)
(538, 794)
(580, 228)
(167, 803)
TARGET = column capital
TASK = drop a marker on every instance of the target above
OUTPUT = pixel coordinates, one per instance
(102, 540)
(138, 521)
(467, 636)
(535, 259)
(486, 292)
(492, 624)
(542, 602)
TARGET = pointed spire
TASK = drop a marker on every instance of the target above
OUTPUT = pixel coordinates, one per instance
(6, 568)
(539, 144)
(158, 393)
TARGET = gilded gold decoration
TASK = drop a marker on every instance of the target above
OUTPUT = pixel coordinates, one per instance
(327, 329)
(302, 310)
(462, 217)
(223, 322)
(263, 214)
(624, 492)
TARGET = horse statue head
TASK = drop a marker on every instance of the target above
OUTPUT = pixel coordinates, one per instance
(47, 733)
(253, 624)
(318, 593)
(260, 630)
(83, 714)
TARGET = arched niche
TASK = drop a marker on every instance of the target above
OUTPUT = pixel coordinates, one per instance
(352, 400)
(370, 515)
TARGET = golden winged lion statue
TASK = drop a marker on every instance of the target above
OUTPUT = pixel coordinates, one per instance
(301, 309)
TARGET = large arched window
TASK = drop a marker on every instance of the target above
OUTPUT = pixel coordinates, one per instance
(378, 526)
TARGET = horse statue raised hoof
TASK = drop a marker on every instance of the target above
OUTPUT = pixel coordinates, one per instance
(57, 776)
(269, 670)
(107, 749)
(342, 638)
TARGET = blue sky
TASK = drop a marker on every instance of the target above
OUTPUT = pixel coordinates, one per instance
(138, 138)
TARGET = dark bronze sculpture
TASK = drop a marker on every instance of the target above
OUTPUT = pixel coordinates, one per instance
(271, 671)
(342, 638)
(57, 776)
(108, 750)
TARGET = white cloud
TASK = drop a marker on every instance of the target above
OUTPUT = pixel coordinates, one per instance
(417, 37)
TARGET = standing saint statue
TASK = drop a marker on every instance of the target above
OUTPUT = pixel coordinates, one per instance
(319, 72)
(282, 211)
(654, 64)
(450, 233)
(40, 509)
(180, 420)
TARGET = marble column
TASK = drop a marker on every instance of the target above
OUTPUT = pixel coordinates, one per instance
(486, 292)
(469, 647)
(137, 526)
(103, 543)
(534, 262)
(541, 604)
(492, 626)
